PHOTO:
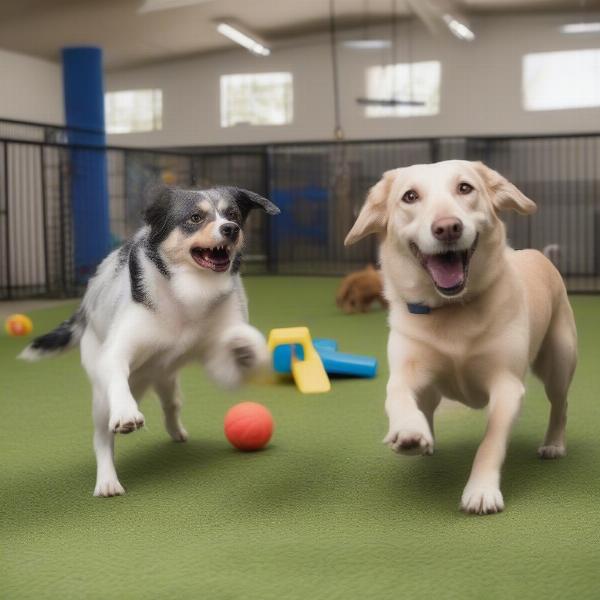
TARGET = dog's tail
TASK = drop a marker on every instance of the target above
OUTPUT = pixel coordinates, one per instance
(63, 338)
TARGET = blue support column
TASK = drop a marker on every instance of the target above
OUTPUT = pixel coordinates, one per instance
(84, 109)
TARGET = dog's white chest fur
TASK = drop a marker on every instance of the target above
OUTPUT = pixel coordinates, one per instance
(191, 312)
(192, 296)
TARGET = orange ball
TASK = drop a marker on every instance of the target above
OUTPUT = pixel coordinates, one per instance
(18, 325)
(248, 426)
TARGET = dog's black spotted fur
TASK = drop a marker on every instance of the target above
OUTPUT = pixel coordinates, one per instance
(136, 278)
(153, 254)
(236, 263)
(123, 256)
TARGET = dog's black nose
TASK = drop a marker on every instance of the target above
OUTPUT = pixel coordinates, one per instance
(230, 231)
(448, 229)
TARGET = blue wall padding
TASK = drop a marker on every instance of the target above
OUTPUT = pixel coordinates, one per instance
(334, 362)
(84, 108)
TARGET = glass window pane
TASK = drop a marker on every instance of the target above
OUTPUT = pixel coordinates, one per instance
(132, 111)
(415, 82)
(559, 80)
(256, 99)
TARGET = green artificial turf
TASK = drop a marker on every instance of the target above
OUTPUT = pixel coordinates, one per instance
(325, 512)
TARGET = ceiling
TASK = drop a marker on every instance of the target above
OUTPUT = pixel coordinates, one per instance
(42, 27)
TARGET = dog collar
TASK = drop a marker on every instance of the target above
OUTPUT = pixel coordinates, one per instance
(416, 308)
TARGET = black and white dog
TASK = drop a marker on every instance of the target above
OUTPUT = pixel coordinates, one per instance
(170, 295)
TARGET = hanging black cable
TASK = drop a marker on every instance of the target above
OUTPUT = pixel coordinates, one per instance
(393, 99)
(409, 58)
(394, 51)
(338, 132)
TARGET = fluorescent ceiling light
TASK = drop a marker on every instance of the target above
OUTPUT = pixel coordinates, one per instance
(367, 44)
(459, 29)
(152, 5)
(243, 38)
(592, 27)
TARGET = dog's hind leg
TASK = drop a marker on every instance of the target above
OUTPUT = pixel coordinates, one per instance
(555, 366)
(170, 398)
(107, 482)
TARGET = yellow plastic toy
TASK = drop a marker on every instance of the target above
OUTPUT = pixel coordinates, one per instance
(309, 373)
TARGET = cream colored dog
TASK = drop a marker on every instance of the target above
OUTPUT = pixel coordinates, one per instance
(468, 314)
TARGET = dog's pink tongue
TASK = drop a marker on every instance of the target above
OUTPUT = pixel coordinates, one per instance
(446, 269)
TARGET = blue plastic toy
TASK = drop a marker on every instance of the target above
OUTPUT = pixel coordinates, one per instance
(335, 363)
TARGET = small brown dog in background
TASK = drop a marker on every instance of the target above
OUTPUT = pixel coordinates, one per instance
(359, 290)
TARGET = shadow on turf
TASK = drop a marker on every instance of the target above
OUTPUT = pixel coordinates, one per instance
(416, 484)
(65, 494)
(62, 493)
(435, 483)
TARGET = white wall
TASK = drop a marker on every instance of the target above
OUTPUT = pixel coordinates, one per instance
(31, 89)
(191, 109)
(481, 87)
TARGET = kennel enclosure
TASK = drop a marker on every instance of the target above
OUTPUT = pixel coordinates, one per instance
(319, 187)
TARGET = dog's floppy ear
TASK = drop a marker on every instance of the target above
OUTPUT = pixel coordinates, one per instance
(373, 215)
(156, 214)
(505, 195)
(247, 200)
(158, 198)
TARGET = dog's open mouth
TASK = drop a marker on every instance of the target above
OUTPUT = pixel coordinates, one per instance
(216, 259)
(448, 270)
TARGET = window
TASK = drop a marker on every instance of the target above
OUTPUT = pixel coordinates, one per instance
(257, 99)
(559, 80)
(417, 82)
(133, 111)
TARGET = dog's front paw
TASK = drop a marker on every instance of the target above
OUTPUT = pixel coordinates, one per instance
(482, 499)
(126, 420)
(243, 353)
(411, 436)
(108, 488)
(248, 349)
(552, 451)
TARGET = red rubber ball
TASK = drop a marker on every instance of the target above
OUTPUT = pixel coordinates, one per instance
(248, 426)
